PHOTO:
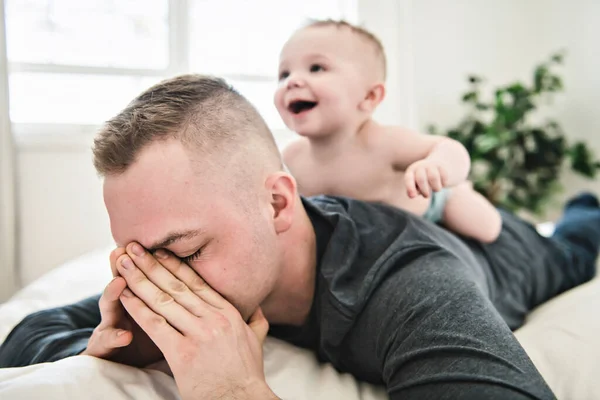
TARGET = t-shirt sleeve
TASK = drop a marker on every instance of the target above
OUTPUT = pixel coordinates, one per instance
(50, 335)
(434, 334)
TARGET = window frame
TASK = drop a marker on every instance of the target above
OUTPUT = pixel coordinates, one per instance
(78, 136)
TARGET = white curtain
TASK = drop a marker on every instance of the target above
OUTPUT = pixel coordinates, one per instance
(8, 268)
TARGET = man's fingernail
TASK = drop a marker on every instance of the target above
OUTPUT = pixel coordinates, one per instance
(127, 293)
(137, 250)
(121, 332)
(127, 263)
(160, 253)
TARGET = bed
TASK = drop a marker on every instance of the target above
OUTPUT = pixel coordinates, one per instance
(562, 337)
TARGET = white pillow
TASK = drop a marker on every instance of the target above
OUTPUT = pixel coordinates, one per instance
(293, 374)
(85, 377)
(562, 337)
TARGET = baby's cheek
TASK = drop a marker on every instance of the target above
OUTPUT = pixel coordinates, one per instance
(278, 99)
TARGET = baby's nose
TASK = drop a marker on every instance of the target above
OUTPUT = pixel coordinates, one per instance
(295, 81)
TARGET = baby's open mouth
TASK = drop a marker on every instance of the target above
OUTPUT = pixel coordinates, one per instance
(298, 106)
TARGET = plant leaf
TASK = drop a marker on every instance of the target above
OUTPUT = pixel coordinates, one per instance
(469, 97)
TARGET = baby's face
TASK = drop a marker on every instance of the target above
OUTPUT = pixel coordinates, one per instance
(321, 81)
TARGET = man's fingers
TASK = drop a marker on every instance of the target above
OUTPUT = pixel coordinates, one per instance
(155, 326)
(111, 309)
(114, 256)
(161, 276)
(104, 341)
(107, 337)
(259, 325)
(115, 338)
(157, 300)
(191, 279)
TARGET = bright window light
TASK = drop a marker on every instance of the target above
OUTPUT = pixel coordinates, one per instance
(79, 62)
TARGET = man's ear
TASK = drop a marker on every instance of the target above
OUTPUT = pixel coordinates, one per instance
(373, 98)
(282, 190)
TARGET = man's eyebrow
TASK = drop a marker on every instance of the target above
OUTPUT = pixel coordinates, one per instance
(174, 237)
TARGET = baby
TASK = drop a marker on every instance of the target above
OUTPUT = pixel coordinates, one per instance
(331, 79)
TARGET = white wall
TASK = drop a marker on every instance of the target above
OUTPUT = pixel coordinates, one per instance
(62, 213)
(575, 26)
(431, 45)
(391, 21)
(503, 41)
(453, 39)
(8, 280)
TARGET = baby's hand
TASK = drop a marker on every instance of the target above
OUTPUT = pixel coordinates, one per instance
(423, 177)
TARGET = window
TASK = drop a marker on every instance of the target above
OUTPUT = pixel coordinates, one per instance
(77, 63)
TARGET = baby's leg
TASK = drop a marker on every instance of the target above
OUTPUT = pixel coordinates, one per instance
(470, 214)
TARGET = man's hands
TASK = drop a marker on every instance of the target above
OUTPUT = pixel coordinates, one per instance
(211, 351)
(118, 338)
(423, 177)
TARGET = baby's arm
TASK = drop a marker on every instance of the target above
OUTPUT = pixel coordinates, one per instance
(429, 161)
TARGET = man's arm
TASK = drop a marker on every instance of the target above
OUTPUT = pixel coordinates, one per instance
(50, 335)
(434, 334)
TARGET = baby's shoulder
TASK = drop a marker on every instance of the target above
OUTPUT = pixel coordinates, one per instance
(294, 149)
(381, 137)
(389, 137)
(393, 132)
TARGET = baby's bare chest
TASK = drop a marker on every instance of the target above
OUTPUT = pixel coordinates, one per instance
(354, 174)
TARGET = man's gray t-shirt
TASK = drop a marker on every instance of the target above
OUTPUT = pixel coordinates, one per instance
(398, 301)
(403, 302)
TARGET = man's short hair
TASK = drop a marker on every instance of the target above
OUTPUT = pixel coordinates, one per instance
(199, 110)
(362, 33)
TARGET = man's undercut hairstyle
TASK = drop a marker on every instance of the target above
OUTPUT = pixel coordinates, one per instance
(362, 33)
(204, 112)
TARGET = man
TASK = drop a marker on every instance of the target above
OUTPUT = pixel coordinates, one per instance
(213, 238)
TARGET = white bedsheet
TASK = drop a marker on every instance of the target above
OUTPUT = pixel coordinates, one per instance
(562, 337)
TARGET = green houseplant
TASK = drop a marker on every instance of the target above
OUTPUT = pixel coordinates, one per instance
(516, 162)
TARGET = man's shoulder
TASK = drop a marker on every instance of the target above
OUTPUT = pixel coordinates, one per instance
(388, 219)
(368, 237)
(349, 205)
(370, 244)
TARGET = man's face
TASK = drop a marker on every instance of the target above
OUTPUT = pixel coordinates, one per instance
(167, 200)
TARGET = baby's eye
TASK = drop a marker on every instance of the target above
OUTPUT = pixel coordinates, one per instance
(316, 68)
(283, 75)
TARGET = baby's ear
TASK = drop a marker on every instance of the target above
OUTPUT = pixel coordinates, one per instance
(283, 194)
(373, 98)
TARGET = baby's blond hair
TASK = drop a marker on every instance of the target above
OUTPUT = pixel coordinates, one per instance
(360, 32)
